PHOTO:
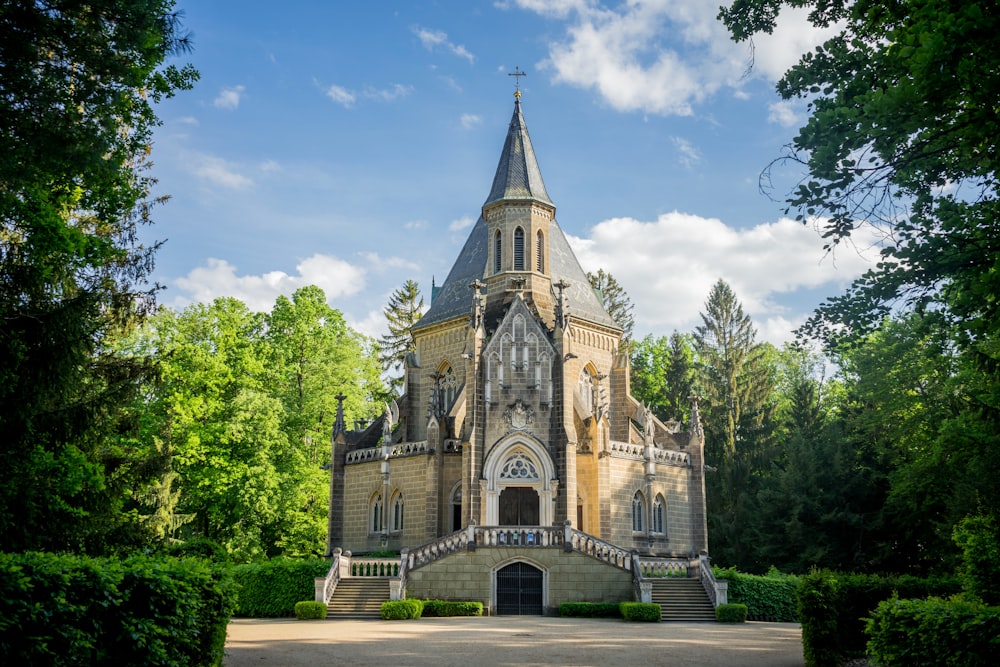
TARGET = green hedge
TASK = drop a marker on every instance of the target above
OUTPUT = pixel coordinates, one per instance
(451, 608)
(396, 610)
(832, 609)
(641, 611)
(271, 588)
(768, 597)
(934, 633)
(591, 609)
(310, 610)
(731, 613)
(62, 610)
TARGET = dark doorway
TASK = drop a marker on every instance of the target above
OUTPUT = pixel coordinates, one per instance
(518, 506)
(519, 590)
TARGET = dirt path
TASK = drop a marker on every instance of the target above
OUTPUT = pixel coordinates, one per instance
(510, 640)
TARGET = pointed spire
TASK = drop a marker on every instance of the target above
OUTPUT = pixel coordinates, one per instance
(518, 175)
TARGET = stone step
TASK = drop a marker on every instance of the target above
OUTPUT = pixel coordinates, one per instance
(358, 597)
(682, 600)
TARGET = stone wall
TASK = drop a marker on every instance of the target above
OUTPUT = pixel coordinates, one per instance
(569, 576)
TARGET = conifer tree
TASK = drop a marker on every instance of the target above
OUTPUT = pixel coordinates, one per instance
(405, 308)
(615, 300)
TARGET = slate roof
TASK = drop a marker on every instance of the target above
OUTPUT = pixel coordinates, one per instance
(518, 175)
(517, 178)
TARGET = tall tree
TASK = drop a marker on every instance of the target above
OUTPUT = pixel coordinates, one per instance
(405, 308)
(736, 381)
(615, 300)
(663, 375)
(77, 87)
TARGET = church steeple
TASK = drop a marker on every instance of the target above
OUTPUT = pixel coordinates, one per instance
(518, 176)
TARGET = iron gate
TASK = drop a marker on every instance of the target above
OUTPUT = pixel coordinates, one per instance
(519, 590)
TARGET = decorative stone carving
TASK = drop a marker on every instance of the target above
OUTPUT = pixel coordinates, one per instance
(519, 416)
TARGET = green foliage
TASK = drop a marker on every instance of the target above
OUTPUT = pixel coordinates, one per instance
(615, 300)
(979, 540)
(832, 609)
(271, 588)
(643, 612)
(70, 610)
(77, 89)
(591, 609)
(309, 610)
(766, 598)
(434, 608)
(933, 633)
(404, 309)
(731, 613)
(200, 547)
(663, 375)
(397, 610)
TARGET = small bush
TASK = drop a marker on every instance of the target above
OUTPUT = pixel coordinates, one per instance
(309, 610)
(731, 613)
(647, 612)
(591, 609)
(979, 539)
(934, 633)
(451, 608)
(396, 610)
(271, 588)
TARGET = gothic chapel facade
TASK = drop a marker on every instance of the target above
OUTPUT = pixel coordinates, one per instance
(516, 426)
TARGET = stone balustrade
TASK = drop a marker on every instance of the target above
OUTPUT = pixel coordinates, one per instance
(658, 568)
(637, 452)
(399, 450)
(374, 567)
(599, 549)
(324, 586)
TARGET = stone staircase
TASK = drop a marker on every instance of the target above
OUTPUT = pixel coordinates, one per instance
(358, 597)
(682, 599)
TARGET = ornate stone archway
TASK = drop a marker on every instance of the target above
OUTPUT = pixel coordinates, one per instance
(519, 461)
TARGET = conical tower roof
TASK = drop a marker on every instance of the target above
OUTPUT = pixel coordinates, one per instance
(518, 175)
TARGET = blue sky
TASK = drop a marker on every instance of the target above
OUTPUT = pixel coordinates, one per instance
(352, 144)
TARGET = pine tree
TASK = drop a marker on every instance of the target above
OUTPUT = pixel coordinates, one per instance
(615, 300)
(403, 311)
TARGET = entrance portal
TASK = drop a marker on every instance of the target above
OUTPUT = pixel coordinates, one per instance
(519, 590)
(518, 506)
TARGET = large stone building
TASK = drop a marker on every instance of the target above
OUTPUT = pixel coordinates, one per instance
(516, 426)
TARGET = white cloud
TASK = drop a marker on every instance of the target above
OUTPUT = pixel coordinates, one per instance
(415, 225)
(341, 96)
(372, 324)
(390, 94)
(218, 171)
(431, 39)
(460, 224)
(787, 113)
(470, 120)
(229, 98)
(381, 264)
(689, 155)
(218, 278)
(669, 265)
(663, 56)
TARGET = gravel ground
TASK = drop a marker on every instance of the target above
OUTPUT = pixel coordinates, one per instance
(510, 640)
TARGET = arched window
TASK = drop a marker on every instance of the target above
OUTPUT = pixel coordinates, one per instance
(586, 387)
(448, 389)
(659, 517)
(397, 513)
(540, 252)
(375, 523)
(519, 249)
(638, 512)
(456, 507)
(497, 248)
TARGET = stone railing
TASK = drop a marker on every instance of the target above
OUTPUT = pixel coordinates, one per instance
(518, 536)
(657, 568)
(598, 548)
(399, 450)
(325, 585)
(637, 452)
(432, 551)
(718, 591)
(374, 567)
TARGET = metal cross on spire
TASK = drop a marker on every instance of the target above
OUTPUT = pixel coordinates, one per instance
(517, 74)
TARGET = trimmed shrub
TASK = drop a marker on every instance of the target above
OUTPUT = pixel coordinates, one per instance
(395, 610)
(591, 609)
(451, 608)
(71, 610)
(819, 601)
(309, 610)
(647, 612)
(200, 547)
(934, 633)
(731, 613)
(979, 539)
(271, 588)
(770, 597)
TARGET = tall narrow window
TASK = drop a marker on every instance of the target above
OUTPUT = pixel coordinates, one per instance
(397, 513)
(659, 520)
(638, 512)
(497, 248)
(376, 514)
(519, 249)
(540, 253)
